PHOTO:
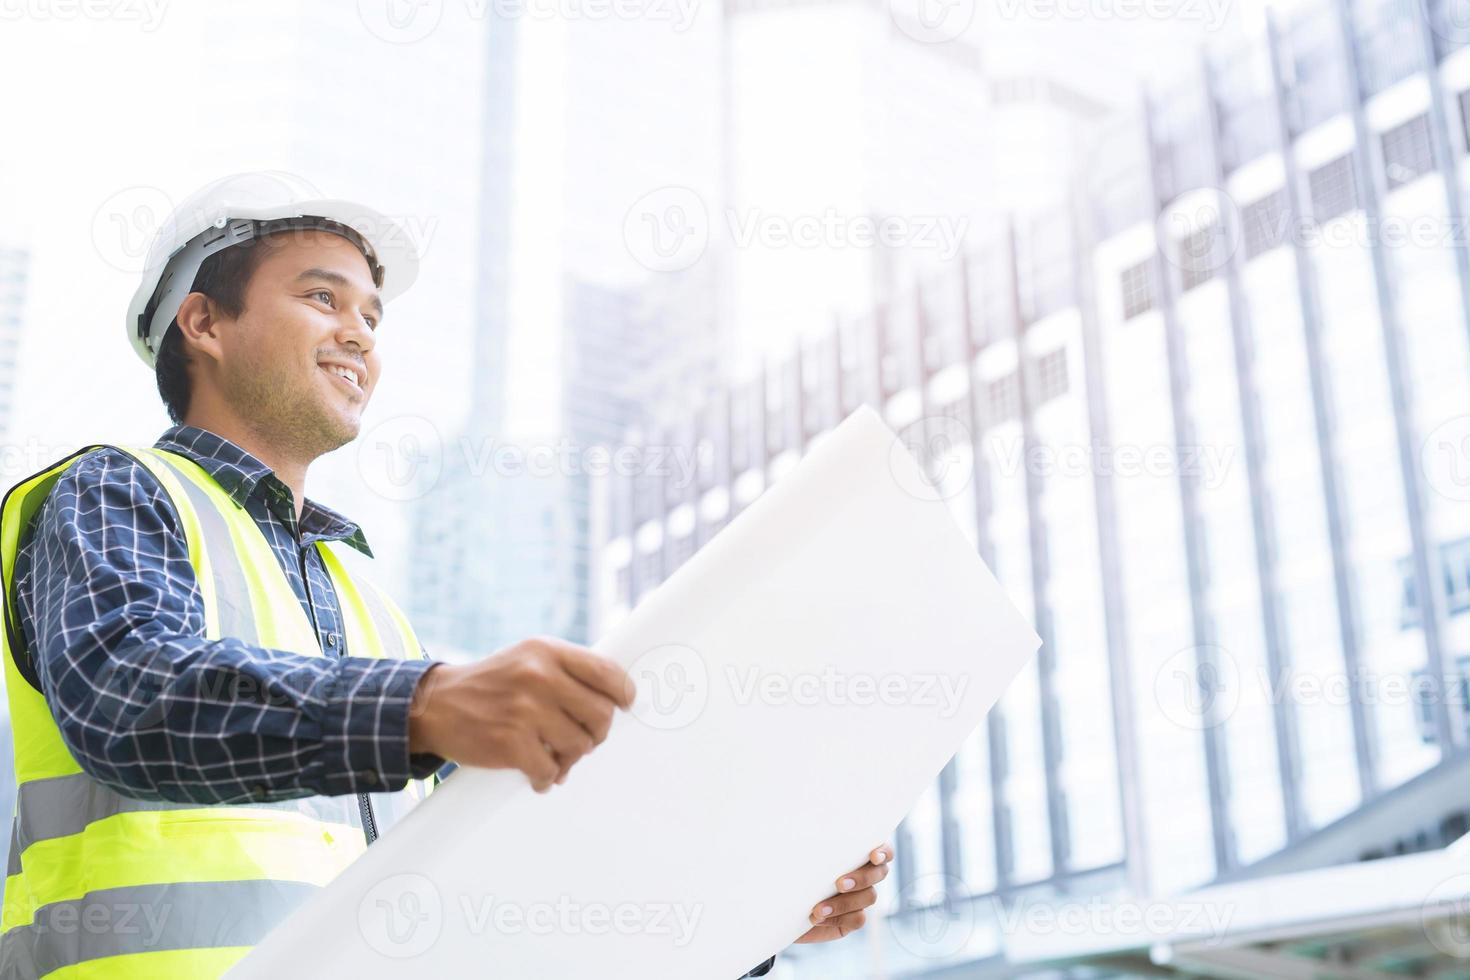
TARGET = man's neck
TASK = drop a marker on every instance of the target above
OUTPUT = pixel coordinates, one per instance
(287, 469)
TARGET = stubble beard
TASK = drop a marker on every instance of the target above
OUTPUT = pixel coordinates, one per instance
(291, 413)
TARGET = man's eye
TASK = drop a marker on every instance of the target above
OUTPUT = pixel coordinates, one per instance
(323, 292)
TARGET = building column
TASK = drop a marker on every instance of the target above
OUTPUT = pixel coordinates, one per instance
(1169, 289)
(1288, 750)
(1325, 421)
(1424, 555)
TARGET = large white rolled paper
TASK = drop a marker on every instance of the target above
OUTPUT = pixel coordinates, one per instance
(802, 680)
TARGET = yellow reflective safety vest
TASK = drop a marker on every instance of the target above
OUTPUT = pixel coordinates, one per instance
(102, 885)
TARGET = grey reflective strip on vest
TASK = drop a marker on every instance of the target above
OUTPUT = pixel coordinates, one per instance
(148, 919)
(64, 805)
(231, 588)
(389, 634)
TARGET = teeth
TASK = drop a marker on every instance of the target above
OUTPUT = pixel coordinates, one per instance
(343, 372)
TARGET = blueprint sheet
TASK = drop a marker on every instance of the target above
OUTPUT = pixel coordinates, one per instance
(803, 678)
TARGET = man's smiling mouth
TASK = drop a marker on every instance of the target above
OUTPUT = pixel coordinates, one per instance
(345, 375)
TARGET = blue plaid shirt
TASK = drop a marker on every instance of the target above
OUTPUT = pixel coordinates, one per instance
(105, 589)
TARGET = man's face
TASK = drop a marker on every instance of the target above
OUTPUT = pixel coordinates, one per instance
(309, 316)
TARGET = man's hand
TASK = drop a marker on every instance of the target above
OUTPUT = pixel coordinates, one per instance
(843, 913)
(537, 706)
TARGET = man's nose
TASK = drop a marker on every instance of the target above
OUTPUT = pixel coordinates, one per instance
(354, 330)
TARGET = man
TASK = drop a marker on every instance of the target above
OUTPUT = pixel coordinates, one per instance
(211, 715)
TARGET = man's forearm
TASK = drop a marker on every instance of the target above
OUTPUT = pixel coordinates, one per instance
(187, 719)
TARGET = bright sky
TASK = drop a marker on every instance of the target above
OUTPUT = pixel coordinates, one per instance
(117, 108)
(107, 122)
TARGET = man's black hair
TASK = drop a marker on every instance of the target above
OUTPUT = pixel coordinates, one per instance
(223, 277)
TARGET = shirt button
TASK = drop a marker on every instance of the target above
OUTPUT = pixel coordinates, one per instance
(368, 777)
(331, 639)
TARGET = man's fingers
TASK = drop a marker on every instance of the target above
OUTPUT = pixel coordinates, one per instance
(863, 877)
(569, 741)
(537, 761)
(881, 854)
(834, 928)
(839, 905)
(599, 673)
(590, 708)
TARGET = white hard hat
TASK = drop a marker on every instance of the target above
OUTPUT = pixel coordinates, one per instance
(238, 208)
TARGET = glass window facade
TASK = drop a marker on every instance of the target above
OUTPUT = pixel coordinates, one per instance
(1213, 470)
(1138, 289)
(1407, 152)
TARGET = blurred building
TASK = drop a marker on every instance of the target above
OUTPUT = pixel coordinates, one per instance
(858, 114)
(1212, 415)
(14, 273)
(575, 341)
(774, 134)
(505, 539)
(453, 594)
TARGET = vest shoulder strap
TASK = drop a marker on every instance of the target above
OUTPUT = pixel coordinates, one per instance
(19, 509)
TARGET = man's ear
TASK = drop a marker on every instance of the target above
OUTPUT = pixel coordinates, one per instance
(199, 322)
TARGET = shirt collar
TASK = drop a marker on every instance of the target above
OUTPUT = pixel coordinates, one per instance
(240, 474)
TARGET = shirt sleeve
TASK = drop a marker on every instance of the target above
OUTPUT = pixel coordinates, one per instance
(112, 613)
